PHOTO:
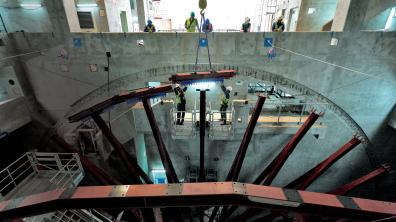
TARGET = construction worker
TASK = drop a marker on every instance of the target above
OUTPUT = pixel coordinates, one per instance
(246, 25)
(225, 100)
(207, 27)
(278, 25)
(149, 27)
(180, 103)
(191, 23)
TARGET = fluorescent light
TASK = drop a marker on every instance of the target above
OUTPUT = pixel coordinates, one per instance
(30, 5)
(87, 5)
(158, 171)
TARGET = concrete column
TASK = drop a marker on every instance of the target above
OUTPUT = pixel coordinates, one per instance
(340, 15)
(140, 6)
(141, 154)
(356, 14)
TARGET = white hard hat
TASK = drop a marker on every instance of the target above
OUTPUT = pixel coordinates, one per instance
(177, 85)
(229, 88)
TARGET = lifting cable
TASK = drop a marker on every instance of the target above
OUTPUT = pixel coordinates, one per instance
(202, 6)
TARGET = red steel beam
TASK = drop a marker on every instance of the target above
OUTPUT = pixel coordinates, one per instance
(132, 166)
(236, 166)
(269, 174)
(166, 160)
(202, 125)
(309, 177)
(136, 94)
(97, 172)
(186, 77)
(354, 184)
(198, 194)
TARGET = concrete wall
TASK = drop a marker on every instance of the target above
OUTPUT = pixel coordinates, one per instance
(377, 14)
(17, 18)
(9, 85)
(113, 9)
(325, 11)
(340, 15)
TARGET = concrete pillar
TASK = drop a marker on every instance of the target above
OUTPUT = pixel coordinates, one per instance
(141, 154)
(340, 15)
(141, 12)
(356, 14)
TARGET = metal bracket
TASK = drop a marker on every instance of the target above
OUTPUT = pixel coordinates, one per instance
(119, 191)
(239, 188)
(174, 189)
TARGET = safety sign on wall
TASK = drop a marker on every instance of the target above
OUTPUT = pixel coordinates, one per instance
(77, 42)
(268, 42)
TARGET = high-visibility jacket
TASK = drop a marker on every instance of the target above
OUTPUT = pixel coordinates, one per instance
(191, 25)
(224, 101)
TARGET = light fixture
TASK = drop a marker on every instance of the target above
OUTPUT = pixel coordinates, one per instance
(87, 5)
(158, 171)
(30, 5)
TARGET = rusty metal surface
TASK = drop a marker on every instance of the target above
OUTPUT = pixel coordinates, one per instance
(38, 198)
(376, 206)
(265, 192)
(198, 194)
(92, 192)
(148, 191)
(320, 199)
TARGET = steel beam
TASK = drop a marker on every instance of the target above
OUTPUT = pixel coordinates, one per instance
(132, 166)
(354, 184)
(236, 166)
(198, 194)
(136, 94)
(269, 174)
(202, 126)
(190, 77)
(309, 177)
(166, 160)
(98, 173)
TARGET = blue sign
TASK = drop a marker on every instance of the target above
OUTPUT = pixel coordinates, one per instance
(203, 42)
(77, 42)
(268, 42)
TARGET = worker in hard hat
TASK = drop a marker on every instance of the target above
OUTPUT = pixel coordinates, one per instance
(225, 100)
(180, 103)
(191, 23)
(278, 25)
(246, 25)
(207, 27)
(149, 27)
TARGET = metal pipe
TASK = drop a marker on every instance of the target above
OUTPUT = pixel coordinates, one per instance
(202, 124)
(166, 161)
(236, 166)
(354, 184)
(132, 166)
(309, 177)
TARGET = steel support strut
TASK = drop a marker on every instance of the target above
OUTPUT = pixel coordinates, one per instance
(269, 174)
(236, 166)
(202, 125)
(98, 173)
(309, 177)
(133, 168)
(166, 161)
(198, 194)
(354, 184)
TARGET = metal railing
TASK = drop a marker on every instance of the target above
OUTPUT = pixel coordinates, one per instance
(69, 174)
(15, 173)
(220, 128)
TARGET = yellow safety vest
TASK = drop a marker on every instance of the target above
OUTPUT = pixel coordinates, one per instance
(224, 101)
(191, 25)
